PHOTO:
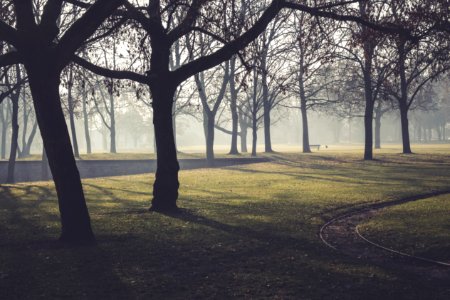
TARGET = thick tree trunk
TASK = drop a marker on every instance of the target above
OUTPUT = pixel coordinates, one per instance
(44, 85)
(14, 137)
(165, 188)
(44, 166)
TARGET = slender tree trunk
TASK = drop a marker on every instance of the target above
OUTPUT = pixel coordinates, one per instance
(26, 151)
(243, 136)
(165, 188)
(405, 129)
(233, 107)
(44, 85)
(24, 125)
(71, 106)
(4, 131)
(209, 120)
(266, 114)
(112, 130)
(14, 137)
(254, 135)
(87, 134)
(378, 129)
(404, 99)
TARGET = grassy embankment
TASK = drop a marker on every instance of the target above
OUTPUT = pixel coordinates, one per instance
(246, 231)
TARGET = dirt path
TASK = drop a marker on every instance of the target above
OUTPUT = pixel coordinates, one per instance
(341, 234)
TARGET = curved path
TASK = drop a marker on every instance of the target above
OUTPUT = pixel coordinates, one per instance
(341, 234)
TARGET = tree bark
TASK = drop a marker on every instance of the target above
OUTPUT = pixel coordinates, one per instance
(404, 99)
(87, 134)
(233, 107)
(44, 84)
(71, 106)
(266, 112)
(378, 116)
(4, 131)
(14, 136)
(165, 187)
(254, 135)
(112, 130)
(209, 120)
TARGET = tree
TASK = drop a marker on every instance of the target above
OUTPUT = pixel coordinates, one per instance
(45, 50)
(210, 17)
(418, 60)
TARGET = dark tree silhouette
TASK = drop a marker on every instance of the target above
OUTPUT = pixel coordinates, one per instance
(44, 56)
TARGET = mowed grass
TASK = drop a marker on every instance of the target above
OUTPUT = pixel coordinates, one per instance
(419, 228)
(245, 232)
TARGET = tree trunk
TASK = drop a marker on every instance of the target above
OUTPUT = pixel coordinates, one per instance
(405, 129)
(87, 134)
(44, 166)
(243, 136)
(267, 109)
(233, 108)
(305, 128)
(4, 131)
(208, 121)
(27, 148)
(377, 131)
(165, 188)
(44, 85)
(71, 106)
(14, 136)
(254, 135)
(112, 130)
(25, 126)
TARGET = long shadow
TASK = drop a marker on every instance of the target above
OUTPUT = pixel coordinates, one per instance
(76, 272)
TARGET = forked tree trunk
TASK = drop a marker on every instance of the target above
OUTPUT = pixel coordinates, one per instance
(165, 187)
(44, 85)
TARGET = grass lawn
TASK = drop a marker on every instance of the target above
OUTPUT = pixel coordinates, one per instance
(420, 228)
(246, 232)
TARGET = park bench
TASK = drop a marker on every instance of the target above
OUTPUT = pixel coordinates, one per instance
(315, 146)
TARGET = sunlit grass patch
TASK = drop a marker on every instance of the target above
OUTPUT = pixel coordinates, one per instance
(420, 228)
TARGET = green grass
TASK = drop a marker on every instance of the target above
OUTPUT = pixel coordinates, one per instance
(420, 228)
(246, 232)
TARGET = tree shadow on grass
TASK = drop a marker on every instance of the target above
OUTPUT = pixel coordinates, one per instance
(33, 264)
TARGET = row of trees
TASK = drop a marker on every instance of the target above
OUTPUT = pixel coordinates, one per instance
(158, 46)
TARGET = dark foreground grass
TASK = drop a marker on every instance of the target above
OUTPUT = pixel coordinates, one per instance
(245, 232)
